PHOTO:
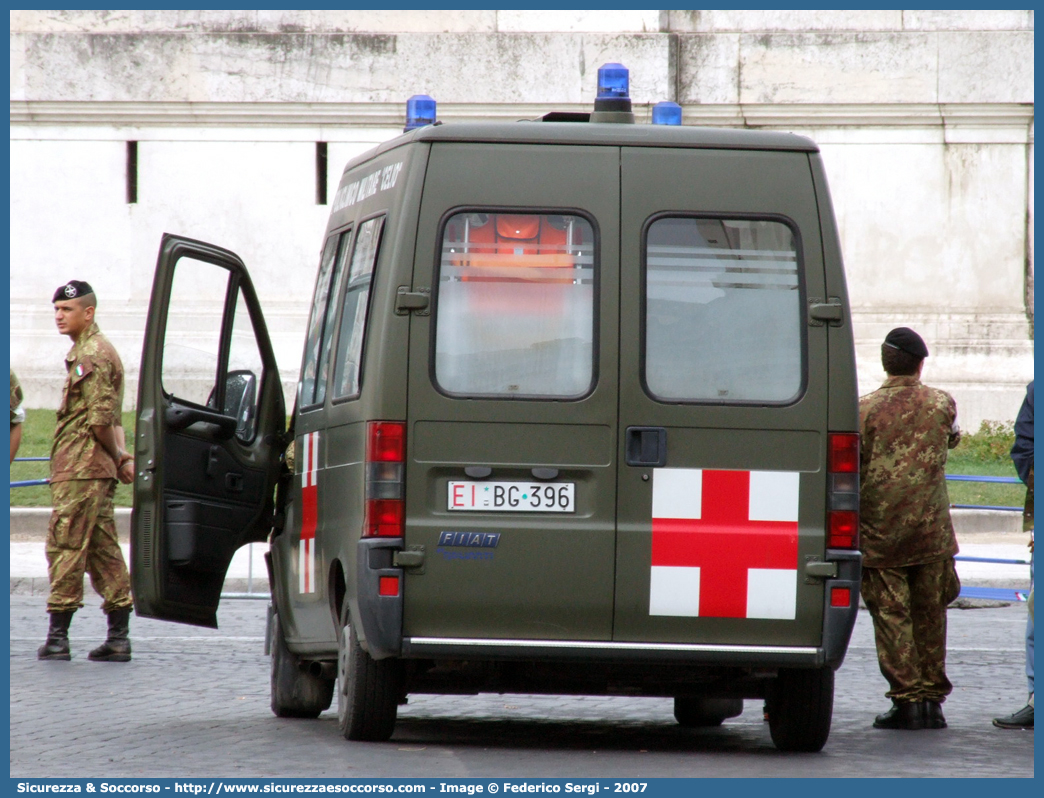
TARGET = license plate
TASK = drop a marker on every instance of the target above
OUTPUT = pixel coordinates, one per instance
(512, 497)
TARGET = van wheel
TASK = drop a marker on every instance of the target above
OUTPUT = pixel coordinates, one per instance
(295, 693)
(367, 690)
(800, 706)
(695, 712)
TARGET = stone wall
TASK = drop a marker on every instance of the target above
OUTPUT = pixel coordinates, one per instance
(924, 118)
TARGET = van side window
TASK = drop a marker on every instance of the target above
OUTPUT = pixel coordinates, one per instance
(723, 312)
(312, 388)
(515, 311)
(356, 302)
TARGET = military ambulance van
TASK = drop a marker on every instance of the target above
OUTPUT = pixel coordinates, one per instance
(576, 415)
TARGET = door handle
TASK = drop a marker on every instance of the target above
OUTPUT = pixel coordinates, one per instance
(646, 446)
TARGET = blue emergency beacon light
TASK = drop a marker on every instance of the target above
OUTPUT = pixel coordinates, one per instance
(420, 111)
(666, 113)
(613, 102)
(613, 81)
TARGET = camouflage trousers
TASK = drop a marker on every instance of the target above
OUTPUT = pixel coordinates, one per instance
(908, 606)
(82, 538)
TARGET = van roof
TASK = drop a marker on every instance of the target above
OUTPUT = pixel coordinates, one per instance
(637, 135)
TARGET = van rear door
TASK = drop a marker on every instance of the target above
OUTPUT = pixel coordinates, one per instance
(511, 480)
(723, 399)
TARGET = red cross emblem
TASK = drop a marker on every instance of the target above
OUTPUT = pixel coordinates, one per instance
(724, 543)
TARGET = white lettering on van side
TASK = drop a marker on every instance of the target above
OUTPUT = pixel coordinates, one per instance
(381, 180)
(389, 175)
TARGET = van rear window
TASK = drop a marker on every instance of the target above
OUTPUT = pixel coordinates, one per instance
(515, 312)
(723, 312)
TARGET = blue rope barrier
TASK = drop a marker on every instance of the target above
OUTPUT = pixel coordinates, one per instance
(994, 593)
(991, 559)
(969, 478)
(29, 483)
(986, 507)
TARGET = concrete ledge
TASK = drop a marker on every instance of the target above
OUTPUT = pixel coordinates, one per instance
(978, 522)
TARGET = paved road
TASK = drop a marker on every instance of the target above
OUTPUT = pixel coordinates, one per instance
(194, 702)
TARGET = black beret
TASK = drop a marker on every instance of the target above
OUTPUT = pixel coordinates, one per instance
(72, 290)
(908, 341)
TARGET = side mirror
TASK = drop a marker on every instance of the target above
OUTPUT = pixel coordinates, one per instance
(241, 402)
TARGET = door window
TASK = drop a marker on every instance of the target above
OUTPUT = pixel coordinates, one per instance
(315, 364)
(192, 341)
(723, 311)
(515, 315)
(356, 302)
(192, 344)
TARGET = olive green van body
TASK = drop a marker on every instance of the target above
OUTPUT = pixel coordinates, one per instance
(561, 597)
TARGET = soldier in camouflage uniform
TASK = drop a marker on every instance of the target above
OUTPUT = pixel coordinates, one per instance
(17, 415)
(87, 457)
(906, 534)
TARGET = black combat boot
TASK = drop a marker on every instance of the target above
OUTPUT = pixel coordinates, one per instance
(57, 645)
(117, 647)
(907, 715)
(933, 715)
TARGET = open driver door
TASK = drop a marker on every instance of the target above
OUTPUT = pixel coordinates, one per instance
(209, 437)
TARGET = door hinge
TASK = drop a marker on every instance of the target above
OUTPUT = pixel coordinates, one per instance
(411, 557)
(816, 569)
(415, 301)
(820, 312)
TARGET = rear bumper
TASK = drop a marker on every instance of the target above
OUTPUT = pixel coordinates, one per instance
(381, 621)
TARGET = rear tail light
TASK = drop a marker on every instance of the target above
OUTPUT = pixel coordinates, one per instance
(385, 442)
(388, 586)
(385, 469)
(843, 490)
(843, 530)
(844, 453)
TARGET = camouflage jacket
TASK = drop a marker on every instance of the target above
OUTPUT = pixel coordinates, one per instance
(92, 396)
(17, 413)
(904, 509)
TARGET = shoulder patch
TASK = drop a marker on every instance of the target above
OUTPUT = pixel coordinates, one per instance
(83, 367)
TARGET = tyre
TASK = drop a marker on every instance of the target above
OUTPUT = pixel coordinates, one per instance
(368, 690)
(295, 693)
(694, 712)
(800, 706)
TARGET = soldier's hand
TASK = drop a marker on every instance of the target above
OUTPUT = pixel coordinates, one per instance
(125, 473)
